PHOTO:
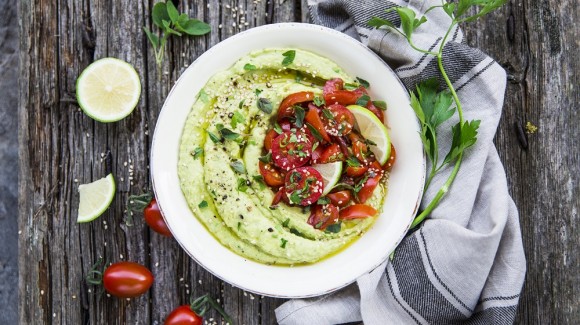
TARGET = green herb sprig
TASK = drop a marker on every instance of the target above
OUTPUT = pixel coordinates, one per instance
(431, 106)
(170, 22)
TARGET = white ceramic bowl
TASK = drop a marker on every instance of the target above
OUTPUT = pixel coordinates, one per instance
(405, 183)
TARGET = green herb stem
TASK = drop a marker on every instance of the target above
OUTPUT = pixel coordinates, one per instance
(443, 189)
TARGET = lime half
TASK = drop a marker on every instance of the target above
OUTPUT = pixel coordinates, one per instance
(330, 174)
(371, 128)
(95, 198)
(108, 89)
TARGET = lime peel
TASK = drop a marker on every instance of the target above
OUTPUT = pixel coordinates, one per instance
(371, 128)
(330, 174)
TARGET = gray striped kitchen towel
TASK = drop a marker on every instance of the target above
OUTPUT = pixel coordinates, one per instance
(466, 263)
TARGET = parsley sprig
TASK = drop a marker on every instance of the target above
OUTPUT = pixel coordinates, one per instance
(170, 22)
(431, 106)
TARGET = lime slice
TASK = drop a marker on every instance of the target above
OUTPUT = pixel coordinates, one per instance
(108, 89)
(330, 174)
(95, 198)
(371, 128)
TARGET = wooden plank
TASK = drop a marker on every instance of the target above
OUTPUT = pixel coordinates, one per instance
(537, 43)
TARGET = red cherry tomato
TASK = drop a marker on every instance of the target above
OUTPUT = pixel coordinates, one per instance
(286, 109)
(313, 118)
(317, 154)
(374, 174)
(357, 211)
(356, 171)
(303, 186)
(323, 215)
(333, 85)
(270, 135)
(337, 120)
(271, 175)
(127, 279)
(280, 197)
(340, 198)
(331, 154)
(154, 218)
(291, 150)
(391, 161)
(183, 315)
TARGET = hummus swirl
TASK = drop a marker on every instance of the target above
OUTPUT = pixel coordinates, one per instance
(220, 176)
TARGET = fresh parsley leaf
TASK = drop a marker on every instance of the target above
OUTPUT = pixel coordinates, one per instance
(286, 222)
(278, 128)
(363, 100)
(265, 105)
(380, 22)
(284, 241)
(464, 136)
(213, 137)
(319, 101)
(238, 166)
(323, 200)
(299, 113)
(258, 92)
(260, 180)
(237, 118)
(242, 185)
(363, 82)
(241, 104)
(267, 158)
(203, 96)
(352, 161)
(298, 78)
(327, 113)
(229, 134)
(197, 152)
(409, 22)
(349, 86)
(288, 57)
(202, 204)
(381, 104)
(315, 132)
(249, 67)
(334, 228)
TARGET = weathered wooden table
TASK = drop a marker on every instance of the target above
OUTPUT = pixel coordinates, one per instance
(60, 147)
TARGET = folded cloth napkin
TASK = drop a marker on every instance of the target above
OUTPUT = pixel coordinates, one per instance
(466, 262)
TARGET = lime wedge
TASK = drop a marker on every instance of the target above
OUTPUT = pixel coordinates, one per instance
(371, 128)
(108, 89)
(330, 174)
(95, 198)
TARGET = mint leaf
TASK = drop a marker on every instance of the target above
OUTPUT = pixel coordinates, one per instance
(229, 134)
(319, 101)
(363, 100)
(288, 57)
(238, 166)
(323, 200)
(197, 152)
(314, 132)
(267, 158)
(242, 185)
(214, 138)
(381, 104)
(237, 118)
(154, 39)
(363, 82)
(265, 105)
(203, 96)
(299, 113)
(334, 228)
(202, 204)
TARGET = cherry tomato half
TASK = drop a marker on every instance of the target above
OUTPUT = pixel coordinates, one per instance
(127, 279)
(270, 135)
(155, 220)
(286, 109)
(377, 111)
(331, 154)
(317, 154)
(323, 215)
(291, 150)
(303, 186)
(356, 171)
(313, 118)
(357, 211)
(183, 315)
(337, 120)
(271, 175)
(340, 198)
(374, 174)
(362, 152)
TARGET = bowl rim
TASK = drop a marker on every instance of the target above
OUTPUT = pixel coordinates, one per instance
(217, 47)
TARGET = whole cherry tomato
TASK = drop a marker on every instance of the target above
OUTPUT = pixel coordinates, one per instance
(127, 279)
(183, 315)
(154, 218)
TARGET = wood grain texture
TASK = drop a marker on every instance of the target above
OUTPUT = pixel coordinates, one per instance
(61, 147)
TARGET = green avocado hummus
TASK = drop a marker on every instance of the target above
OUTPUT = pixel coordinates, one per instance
(218, 160)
